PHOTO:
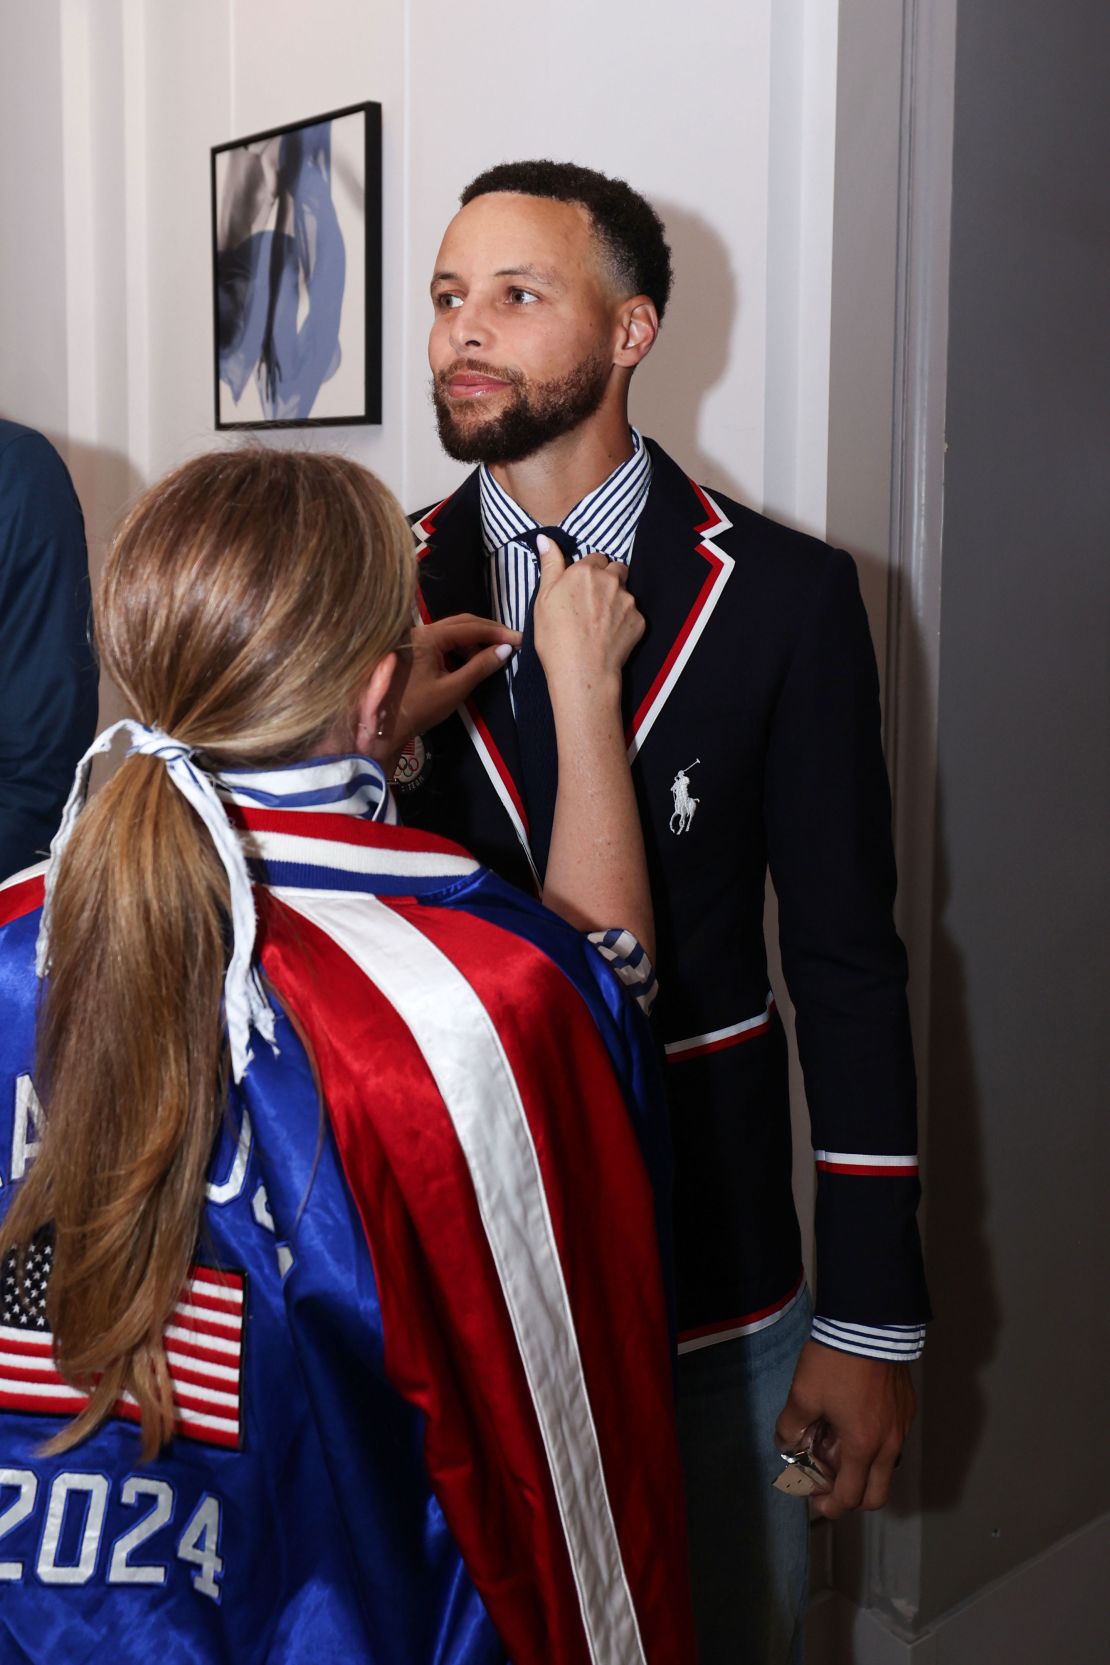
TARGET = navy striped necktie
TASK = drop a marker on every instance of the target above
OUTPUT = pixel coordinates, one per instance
(535, 723)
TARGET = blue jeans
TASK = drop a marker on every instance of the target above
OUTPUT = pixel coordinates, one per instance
(749, 1544)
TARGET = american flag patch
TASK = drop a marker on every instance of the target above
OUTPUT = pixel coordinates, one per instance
(203, 1341)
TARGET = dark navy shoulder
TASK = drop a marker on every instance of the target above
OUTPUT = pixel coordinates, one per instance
(461, 501)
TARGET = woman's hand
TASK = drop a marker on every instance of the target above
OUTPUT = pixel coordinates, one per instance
(434, 688)
(586, 625)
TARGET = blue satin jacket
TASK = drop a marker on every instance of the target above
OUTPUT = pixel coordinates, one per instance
(295, 1515)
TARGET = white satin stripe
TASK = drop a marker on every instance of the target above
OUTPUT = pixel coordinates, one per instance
(477, 740)
(356, 858)
(33, 872)
(464, 1053)
(724, 573)
(675, 1049)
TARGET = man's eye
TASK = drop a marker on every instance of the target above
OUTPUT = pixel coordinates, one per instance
(522, 297)
(447, 302)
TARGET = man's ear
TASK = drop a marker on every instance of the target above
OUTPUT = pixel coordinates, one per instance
(638, 326)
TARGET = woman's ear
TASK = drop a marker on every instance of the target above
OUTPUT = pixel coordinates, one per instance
(375, 710)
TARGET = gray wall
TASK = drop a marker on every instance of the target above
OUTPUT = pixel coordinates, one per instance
(1015, 1400)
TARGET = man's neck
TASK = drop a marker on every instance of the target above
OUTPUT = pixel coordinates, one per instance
(549, 483)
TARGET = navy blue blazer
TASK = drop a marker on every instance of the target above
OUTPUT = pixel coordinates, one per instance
(48, 677)
(752, 713)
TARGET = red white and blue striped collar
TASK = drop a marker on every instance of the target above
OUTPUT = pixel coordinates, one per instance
(331, 824)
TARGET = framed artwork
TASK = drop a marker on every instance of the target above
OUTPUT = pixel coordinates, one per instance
(297, 280)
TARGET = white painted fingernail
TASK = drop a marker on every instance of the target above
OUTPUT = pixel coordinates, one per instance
(543, 543)
(503, 650)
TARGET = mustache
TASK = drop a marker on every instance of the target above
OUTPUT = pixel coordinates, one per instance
(478, 367)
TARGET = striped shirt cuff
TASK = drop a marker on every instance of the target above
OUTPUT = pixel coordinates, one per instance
(901, 1343)
(630, 962)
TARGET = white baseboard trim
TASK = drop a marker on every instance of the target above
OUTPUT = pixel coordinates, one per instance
(1049, 1611)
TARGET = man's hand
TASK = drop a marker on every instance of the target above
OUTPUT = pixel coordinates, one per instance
(868, 1405)
(586, 625)
(433, 689)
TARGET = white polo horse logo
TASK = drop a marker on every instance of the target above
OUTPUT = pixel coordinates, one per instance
(684, 805)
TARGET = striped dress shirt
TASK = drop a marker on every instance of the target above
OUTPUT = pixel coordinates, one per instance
(605, 519)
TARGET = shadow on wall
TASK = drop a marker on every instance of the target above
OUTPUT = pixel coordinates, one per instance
(692, 352)
(107, 483)
(962, 1340)
(964, 1290)
(959, 1260)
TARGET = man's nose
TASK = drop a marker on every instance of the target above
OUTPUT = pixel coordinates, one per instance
(470, 327)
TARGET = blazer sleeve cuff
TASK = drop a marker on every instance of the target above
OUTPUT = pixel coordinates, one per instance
(900, 1343)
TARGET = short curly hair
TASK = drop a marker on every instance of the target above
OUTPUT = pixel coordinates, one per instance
(628, 228)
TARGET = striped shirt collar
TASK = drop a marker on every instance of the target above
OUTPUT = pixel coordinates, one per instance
(346, 785)
(605, 519)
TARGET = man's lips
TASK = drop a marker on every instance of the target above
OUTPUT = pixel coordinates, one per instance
(467, 385)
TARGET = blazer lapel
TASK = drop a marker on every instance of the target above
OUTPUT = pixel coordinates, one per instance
(453, 579)
(677, 575)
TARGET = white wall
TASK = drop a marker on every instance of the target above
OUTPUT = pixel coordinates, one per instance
(729, 129)
(118, 352)
(589, 83)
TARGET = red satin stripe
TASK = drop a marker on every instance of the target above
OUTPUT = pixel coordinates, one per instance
(431, 1260)
(343, 829)
(21, 899)
(616, 1298)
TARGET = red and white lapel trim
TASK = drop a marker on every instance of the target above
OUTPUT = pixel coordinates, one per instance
(425, 531)
(425, 528)
(489, 755)
(720, 565)
(500, 778)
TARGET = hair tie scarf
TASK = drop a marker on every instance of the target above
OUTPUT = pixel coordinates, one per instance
(245, 1003)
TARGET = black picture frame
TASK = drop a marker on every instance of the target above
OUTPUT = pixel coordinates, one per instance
(312, 245)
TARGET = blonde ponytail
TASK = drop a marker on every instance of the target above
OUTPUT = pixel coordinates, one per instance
(243, 606)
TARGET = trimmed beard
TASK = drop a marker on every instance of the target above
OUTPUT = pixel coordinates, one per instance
(536, 413)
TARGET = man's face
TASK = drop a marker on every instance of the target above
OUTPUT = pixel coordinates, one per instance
(525, 320)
